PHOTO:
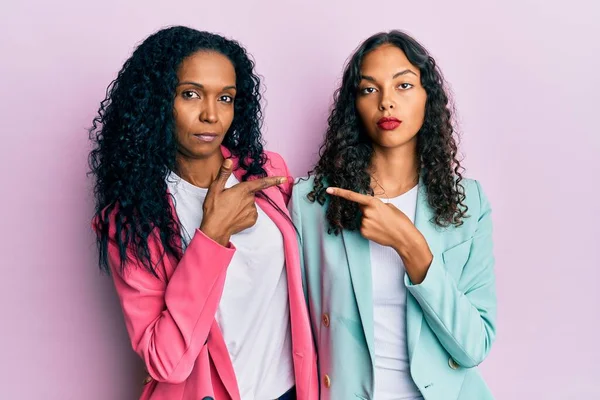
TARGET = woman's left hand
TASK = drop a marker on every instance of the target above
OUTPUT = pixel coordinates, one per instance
(385, 224)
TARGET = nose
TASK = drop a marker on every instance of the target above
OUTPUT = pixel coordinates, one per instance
(386, 102)
(208, 113)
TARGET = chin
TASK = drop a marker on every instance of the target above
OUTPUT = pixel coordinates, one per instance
(388, 145)
(391, 140)
(203, 150)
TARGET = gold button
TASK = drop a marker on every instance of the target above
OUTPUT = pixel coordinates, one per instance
(326, 320)
(327, 381)
(453, 364)
(147, 380)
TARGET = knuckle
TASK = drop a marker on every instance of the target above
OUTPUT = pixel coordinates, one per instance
(253, 217)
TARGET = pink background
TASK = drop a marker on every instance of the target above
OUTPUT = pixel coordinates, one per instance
(525, 77)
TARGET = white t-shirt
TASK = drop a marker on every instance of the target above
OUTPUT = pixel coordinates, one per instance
(254, 310)
(392, 370)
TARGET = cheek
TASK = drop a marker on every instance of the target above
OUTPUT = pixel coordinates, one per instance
(365, 108)
(226, 117)
(418, 110)
(184, 116)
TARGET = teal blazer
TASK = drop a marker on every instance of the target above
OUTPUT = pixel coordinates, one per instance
(450, 316)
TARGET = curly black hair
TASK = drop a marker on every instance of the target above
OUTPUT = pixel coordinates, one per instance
(346, 152)
(135, 142)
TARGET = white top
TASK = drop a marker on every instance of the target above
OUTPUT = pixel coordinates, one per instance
(392, 370)
(254, 311)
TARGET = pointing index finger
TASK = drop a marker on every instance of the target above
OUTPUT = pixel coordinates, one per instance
(361, 199)
(264, 183)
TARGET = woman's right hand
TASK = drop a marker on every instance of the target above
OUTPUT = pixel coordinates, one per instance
(229, 211)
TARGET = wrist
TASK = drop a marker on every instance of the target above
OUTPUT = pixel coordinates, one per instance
(417, 258)
(406, 244)
(216, 234)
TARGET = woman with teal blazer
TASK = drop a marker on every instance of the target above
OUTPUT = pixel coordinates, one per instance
(396, 246)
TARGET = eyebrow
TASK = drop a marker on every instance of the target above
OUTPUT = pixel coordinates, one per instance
(202, 86)
(397, 74)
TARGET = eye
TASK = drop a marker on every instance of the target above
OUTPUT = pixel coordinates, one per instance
(405, 86)
(226, 98)
(367, 90)
(190, 94)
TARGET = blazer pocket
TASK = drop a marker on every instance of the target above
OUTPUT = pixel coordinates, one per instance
(456, 257)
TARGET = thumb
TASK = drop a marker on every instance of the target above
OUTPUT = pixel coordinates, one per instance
(224, 174)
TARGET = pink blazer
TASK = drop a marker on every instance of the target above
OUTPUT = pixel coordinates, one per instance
(171, 321)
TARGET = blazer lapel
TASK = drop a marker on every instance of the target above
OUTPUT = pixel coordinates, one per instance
(359, 263)
(298, 314)
(358, 255)
(414, 314)
(220, 358)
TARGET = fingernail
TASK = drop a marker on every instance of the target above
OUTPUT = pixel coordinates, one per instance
(283, 180)
(330, 190)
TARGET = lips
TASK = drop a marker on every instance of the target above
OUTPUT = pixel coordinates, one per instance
(206, 136)
(388, 123)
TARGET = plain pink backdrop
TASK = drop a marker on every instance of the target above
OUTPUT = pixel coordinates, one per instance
(526, 82)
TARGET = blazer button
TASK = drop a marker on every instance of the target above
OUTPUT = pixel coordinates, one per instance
(325, 320)
(453, 364)
(147, 380)
(327, 381)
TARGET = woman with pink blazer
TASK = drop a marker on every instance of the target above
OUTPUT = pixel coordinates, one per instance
(192, 225)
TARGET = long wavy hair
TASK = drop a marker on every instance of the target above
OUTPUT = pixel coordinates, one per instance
(346, 152)
(135, 142)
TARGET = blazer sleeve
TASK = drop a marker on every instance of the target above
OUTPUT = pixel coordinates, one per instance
(464, 320)
(168, 322)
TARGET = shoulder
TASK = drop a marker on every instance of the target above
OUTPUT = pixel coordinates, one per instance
(106, 220)
(478, 209)
(475, 197)
(303, 186)
(303, 207)
(275, 164)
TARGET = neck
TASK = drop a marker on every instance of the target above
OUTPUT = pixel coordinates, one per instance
(394, 171)
(200, 172)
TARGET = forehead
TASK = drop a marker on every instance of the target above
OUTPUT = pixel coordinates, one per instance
(207, 66)
(385, 61)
